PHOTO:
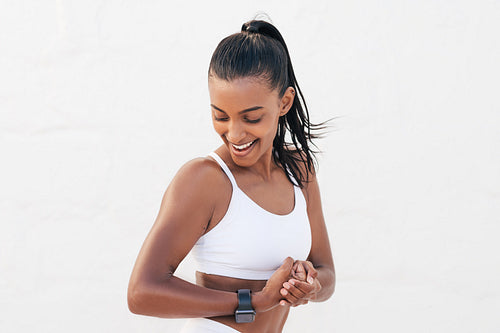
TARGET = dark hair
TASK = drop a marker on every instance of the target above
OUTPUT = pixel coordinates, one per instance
(260, 51)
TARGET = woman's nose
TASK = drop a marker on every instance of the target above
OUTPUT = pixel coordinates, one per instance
(236, 132)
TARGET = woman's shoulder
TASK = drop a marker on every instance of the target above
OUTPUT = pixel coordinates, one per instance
(200, 173)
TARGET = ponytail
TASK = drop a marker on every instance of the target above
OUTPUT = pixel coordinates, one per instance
(260, 50)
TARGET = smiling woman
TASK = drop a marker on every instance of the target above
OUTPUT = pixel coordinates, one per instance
(250, 211)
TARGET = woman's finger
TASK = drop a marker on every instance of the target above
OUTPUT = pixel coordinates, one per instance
(293, 290)
(304, 287)
(312, 273)
(298, 271)
(288, 296)
(284, 302)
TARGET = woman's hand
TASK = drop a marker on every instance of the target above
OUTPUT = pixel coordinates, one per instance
(298, 271)
(303, 285)
(270, 296)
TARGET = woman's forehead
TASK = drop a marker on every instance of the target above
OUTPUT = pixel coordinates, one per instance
(247, 88)
(240, 94)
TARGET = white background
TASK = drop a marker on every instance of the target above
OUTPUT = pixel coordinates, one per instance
(101, 102)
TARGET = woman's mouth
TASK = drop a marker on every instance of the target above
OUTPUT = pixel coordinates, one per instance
(243, 149)
(244, 146)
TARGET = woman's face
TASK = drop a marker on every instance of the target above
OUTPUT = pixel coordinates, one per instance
(245, 113)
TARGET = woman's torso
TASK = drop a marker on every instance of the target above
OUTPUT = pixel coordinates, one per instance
(255, 226)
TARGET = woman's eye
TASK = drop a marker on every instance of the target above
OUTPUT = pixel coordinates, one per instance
(220, 119)
(252, 121)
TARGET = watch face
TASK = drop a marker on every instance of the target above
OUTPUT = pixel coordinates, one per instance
(245, 316)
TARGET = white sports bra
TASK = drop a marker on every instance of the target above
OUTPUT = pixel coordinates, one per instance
(250, 242)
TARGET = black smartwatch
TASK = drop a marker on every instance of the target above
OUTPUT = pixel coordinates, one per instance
(244, 313)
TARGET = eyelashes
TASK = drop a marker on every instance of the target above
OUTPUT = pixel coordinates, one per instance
(254, 121)
(250, 121)
(220, 119)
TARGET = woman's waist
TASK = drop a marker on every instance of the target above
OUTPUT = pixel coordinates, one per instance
(228, 283)
(269, 321)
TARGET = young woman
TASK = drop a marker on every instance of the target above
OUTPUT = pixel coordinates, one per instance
(250, 211)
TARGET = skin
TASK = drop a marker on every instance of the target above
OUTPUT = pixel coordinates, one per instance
(198, 198)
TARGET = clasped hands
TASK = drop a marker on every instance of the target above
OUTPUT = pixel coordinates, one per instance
(302, 285)
(293, 283)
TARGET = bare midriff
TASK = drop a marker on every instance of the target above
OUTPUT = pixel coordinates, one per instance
(271, 321)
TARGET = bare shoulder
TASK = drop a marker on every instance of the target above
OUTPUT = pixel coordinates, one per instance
(193, 195)
(201, 174)
(201, 168)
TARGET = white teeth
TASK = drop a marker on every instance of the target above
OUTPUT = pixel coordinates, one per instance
(246, 145)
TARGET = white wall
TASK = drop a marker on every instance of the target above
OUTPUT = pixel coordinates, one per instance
(102, 101)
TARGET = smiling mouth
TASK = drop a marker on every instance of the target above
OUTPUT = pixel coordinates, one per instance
(244, 146)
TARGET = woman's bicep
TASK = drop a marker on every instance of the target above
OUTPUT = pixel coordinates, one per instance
(184, 213)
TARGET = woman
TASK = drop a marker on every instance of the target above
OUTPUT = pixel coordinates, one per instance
(251, 211)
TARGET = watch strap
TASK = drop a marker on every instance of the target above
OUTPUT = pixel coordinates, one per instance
(244, 299)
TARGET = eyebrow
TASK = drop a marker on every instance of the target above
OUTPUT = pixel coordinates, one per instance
(253, 108)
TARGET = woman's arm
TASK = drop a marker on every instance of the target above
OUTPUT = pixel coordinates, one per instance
(321, 252)
(186, 210)
(319, 271)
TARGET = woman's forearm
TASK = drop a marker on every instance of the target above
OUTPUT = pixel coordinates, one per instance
(177, 298)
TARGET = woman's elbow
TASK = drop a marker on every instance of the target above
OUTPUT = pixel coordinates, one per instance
(148, 300)
(141, 298)
(135, 299)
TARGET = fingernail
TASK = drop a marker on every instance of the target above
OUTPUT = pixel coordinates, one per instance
(292, 282)
(285, 292)
(286, 285)
(310, 280)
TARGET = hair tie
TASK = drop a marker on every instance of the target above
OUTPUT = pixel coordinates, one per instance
(250, 28)
(253, 29)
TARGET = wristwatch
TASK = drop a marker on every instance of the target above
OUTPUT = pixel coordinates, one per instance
(244, 313)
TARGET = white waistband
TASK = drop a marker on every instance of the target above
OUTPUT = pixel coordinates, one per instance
(204, 325)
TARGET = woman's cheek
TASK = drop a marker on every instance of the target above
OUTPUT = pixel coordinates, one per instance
(218, 128)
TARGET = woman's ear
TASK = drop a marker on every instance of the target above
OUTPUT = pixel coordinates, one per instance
(287, 101)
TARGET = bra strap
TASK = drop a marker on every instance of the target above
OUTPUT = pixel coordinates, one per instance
(224, 167)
